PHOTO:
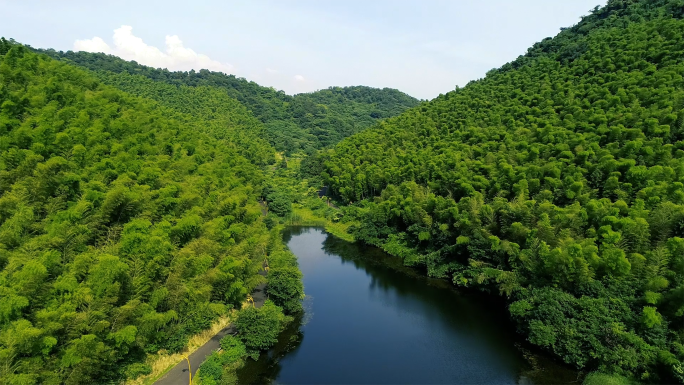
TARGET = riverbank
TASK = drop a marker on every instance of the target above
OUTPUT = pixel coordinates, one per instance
(257, 330)
(178, 374)
(202, 344)
(305, 216)
(406, 257)
(171, 368)
(369, 319)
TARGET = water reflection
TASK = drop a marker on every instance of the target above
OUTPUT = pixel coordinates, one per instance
(372, 320)
(475, 314)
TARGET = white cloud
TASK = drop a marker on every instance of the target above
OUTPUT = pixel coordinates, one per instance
(130, 47)
(299, 78)
(92, 45)
(271, 71)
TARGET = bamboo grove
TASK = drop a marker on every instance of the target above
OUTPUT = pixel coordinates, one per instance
(557, 181)
(125, 227)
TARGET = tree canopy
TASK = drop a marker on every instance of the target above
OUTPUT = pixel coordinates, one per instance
(125, 226)
(557, 180)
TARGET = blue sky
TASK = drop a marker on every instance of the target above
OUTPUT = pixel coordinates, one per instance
(421, 47)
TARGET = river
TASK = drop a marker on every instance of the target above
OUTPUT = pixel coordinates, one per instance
(370, 320)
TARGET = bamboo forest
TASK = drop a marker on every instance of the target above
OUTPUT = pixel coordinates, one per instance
(146, 212)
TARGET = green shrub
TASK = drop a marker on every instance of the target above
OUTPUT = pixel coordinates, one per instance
(259, 328)
(217, 369)
(232, 349)
(212, 368)
(271, 221)
(285, 288)
(279, 203)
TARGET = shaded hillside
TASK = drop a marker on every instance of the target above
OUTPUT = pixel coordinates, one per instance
(304, 122)
(557, 181)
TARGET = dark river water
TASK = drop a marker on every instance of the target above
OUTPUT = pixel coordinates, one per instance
(369, 320)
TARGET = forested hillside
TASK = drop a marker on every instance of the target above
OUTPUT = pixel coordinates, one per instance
(304, 122)
(221, 116)
(125, 227)
(557, 181)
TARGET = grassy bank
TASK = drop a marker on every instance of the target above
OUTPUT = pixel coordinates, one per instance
(596, 378)
(305, 216)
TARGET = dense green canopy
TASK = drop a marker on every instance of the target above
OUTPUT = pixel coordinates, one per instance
(304, 122)
(222, 116)
(125, 226)
(557, 180)
(129, 216)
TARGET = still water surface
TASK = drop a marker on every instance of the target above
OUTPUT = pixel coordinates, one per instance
(369, 320)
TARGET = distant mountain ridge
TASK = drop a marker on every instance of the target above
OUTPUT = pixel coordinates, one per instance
(303, 122)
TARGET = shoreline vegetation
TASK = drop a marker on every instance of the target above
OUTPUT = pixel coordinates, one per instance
(305, 216)
(232, 358)
(258, 327)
